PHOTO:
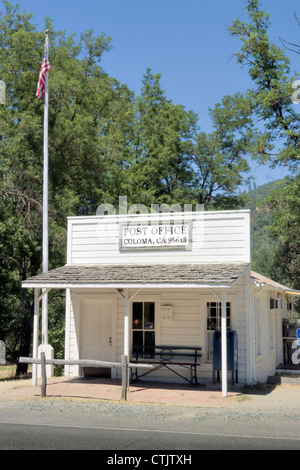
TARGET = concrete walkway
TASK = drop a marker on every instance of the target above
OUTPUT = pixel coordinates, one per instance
(110, 390)
(272, 396)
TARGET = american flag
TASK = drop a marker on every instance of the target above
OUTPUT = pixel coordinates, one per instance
(42, 78)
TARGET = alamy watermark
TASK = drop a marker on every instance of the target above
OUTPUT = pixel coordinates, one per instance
(142, 210)
(296, 94)
(161, 225)
(296, 353)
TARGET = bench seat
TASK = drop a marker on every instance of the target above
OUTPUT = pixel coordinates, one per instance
(167, 357)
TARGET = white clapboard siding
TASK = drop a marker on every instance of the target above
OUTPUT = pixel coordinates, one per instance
(216, 237)
(187, 327)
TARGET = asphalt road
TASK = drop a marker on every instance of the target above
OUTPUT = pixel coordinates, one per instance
(164, 431)
(19, 436)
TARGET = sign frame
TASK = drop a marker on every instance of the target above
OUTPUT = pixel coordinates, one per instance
(155, 236)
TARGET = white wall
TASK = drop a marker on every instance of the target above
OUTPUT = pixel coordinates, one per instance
(187, 327)
(217, 237)
(269, 332)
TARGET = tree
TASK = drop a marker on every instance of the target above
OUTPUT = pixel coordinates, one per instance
(159, 171)
(268, 67)
(84, 110)
(104, 142)
(285, 228)
(279, 139)
(219, 158)
(175, 162)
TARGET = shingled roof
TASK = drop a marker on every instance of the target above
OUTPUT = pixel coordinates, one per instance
(150, 275)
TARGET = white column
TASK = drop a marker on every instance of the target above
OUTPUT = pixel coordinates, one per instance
(224, 343)
(44, 346)
(67, 330)
(45, 318)
(126, 323)
(35, 334)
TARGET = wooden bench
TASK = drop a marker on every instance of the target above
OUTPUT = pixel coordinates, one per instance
(186, 357)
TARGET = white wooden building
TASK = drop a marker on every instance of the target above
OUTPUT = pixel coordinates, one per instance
(166, 279)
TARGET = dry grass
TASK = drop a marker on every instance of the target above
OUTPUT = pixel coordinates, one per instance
(8, 372)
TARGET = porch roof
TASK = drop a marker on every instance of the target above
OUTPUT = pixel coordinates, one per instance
(137, 276)
(273, 284)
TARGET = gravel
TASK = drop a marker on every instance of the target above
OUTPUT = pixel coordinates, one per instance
(154, 412)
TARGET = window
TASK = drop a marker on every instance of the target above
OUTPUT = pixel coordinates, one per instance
(214, 315)
(276, 303)
(143, 328)
(272, 318)
(258, 320)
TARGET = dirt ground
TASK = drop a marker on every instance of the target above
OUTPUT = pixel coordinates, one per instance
(284, 396)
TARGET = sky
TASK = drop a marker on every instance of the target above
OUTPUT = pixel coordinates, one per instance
(186, 41)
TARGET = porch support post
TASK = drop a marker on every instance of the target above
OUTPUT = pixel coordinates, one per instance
(126, 323)
(125, 358)
(35, 334)
(45, 318)
(127, 299)
(45, 347)
(224, 343)
(67, 330)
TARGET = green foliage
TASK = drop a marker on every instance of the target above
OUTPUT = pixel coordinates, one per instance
(164, 133)
(271, 98)
(275, 230)
(276, 219)
(73, 150)
(285, 228)
(263, 245)
(219, 157)
(105, 142)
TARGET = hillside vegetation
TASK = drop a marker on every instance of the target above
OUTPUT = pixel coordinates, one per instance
(263, 244)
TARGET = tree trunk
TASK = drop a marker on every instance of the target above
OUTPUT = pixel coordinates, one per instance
(25, 329)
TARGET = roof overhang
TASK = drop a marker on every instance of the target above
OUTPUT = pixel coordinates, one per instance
(162, 276)
(273, 285)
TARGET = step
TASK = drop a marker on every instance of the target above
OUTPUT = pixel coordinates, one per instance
(285, 376)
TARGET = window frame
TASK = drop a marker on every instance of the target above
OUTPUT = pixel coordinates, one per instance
(156, 300)
(209, 332)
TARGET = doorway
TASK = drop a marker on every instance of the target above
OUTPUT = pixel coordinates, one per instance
(98, 333)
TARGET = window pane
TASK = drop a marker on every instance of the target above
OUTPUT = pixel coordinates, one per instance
(213, 309)
(214, 314)
(149, 316)
(143, 325)
(209, 345)
(137, 315)
(149, 343)
(211, 323)
(137, 342)
(149, 338)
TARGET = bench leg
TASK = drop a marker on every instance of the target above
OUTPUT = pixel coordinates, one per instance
(134, 375)
(194, 379)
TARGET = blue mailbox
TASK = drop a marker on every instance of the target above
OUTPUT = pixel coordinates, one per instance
(232, 354)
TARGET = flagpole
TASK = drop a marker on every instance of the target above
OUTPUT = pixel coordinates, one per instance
(45, 262)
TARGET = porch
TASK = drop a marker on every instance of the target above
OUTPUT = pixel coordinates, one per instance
(86, 285)
(97, 389)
